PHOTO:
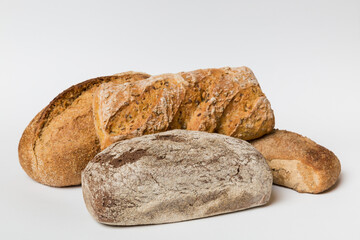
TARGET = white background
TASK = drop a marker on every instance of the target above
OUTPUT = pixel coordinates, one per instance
(305, 54)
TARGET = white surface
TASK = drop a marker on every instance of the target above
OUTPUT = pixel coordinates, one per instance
(305, 55)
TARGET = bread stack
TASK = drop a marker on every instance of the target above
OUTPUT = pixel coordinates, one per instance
(173, 146)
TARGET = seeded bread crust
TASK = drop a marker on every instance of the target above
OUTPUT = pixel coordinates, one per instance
(225, 100)
(82, 120)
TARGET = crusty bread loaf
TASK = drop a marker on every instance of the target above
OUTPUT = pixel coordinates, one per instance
(61, 139)
(65, 136)
(174, 176)
(298, 162)
(225, 100)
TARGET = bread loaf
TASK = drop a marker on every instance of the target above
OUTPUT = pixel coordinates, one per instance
(61, 139)
(298, 162)
(174, 176)
(226, 100)
(66, 135)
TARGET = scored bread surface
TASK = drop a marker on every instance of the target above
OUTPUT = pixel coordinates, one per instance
(226, 100)
(61, 139)
(82, 120)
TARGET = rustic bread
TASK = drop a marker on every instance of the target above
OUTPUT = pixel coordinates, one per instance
(64, 136)
(174, 176)
(298, 162)
(61, 139)
(225, 100)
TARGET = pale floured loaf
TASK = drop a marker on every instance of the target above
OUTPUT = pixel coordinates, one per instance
(174, 176)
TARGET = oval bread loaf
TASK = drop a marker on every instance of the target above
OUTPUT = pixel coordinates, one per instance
(61, 139)
(298, 162)
(174, 176)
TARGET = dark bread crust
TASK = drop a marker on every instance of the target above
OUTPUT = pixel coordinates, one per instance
(318, 167)
(49, 152)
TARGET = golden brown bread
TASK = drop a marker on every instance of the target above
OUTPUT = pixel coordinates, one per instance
(61, 139)
(298, 162)
(225, 100)
(66, 135)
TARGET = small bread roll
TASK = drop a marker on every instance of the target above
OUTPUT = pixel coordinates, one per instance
(298, 162)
